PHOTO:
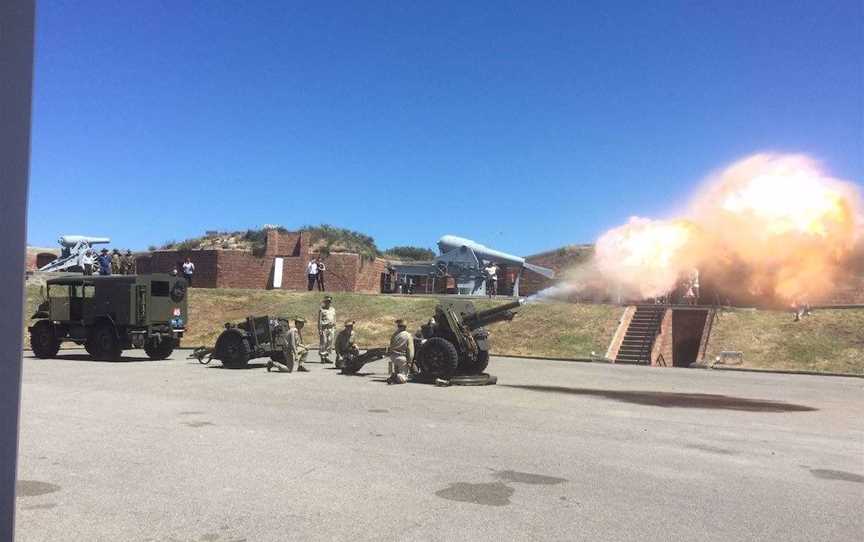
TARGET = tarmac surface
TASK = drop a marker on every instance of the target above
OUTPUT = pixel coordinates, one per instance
(174, 451)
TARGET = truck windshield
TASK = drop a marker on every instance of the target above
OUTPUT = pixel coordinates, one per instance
(58, 290)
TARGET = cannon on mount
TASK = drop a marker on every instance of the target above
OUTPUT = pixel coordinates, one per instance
(454, 342)
(239, 343)
(72, 249)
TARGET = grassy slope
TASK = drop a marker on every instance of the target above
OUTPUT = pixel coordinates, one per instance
(554, 329)
(829, 340)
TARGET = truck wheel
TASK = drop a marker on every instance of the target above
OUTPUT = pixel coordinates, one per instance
(438, 358)
(103, 344)
(159, 349)
(234, 350)
(477, 366)
(42, 340)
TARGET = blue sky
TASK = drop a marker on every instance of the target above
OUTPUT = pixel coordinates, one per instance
(525, 126)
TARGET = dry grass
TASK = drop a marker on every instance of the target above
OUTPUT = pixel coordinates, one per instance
(827, 341)
(549, 329)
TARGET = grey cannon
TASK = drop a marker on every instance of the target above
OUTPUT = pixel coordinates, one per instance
(454, 342)
(239, 343)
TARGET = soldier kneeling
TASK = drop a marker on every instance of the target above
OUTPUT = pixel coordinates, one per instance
(290, 344)
(346, 350)
(401, 353)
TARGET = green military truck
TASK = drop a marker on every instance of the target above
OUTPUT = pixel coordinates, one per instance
(108, 314)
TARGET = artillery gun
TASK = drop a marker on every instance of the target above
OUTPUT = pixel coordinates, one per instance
(239, 343)
(454, 342)
(72, 251)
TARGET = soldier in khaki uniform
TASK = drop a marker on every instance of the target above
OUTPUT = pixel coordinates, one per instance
(401, 353)
(346, 350)
(116, 263)
(286, 363)
(326, 329)
(298, 350)
(128, 263)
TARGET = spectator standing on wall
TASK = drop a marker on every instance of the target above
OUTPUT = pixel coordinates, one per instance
(104, 262)
(87, 261)
(319, 280)
(312, 273)
(491, 272)
(188, 270)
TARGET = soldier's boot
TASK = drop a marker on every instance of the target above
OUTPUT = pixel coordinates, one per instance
(269, 366)
(302, 369)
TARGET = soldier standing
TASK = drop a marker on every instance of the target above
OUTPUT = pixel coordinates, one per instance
(128, 263)
(297, 349)
(401, 353)
(346, 350)
(286, 363)
(326, 328)
(116, 263)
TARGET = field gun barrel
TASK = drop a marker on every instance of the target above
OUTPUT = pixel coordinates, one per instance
(490, 316)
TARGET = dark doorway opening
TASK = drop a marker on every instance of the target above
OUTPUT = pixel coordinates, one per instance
(687, 328)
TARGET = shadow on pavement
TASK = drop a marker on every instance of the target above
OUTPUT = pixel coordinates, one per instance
(218, 365)
(86, 357)
(674, 400)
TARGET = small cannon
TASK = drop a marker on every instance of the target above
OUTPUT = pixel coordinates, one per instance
(454, 342)
(253, 338)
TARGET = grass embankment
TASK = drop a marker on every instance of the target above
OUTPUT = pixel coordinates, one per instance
(548, 329)
(826, 341)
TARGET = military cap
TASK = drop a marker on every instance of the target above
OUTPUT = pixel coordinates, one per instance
(104, 251)
(400, 322)
(349, 323)
(328, 298)
(299, 319)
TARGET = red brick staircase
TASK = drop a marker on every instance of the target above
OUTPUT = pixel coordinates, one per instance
(641, 334)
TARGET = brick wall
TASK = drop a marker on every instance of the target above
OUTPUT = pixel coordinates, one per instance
(345, 272)
(559, 260)
(37, 257)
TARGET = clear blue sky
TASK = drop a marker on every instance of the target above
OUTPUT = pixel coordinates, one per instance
(525, 126)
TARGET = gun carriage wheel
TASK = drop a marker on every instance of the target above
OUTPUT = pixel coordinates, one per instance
(438, 358)
(233, 349)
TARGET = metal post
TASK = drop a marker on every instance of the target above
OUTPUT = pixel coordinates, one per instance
(16, 81)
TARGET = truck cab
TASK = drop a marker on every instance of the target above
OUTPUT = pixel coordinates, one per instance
(108, 314)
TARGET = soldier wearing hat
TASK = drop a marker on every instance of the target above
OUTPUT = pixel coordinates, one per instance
(283, 361)
(104, 260)
(128, 264)
(346, 350)
(401, 353)
(116, 262)
(326, 328)
(297, 349)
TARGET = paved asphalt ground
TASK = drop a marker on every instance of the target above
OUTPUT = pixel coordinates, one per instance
(173, 450)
